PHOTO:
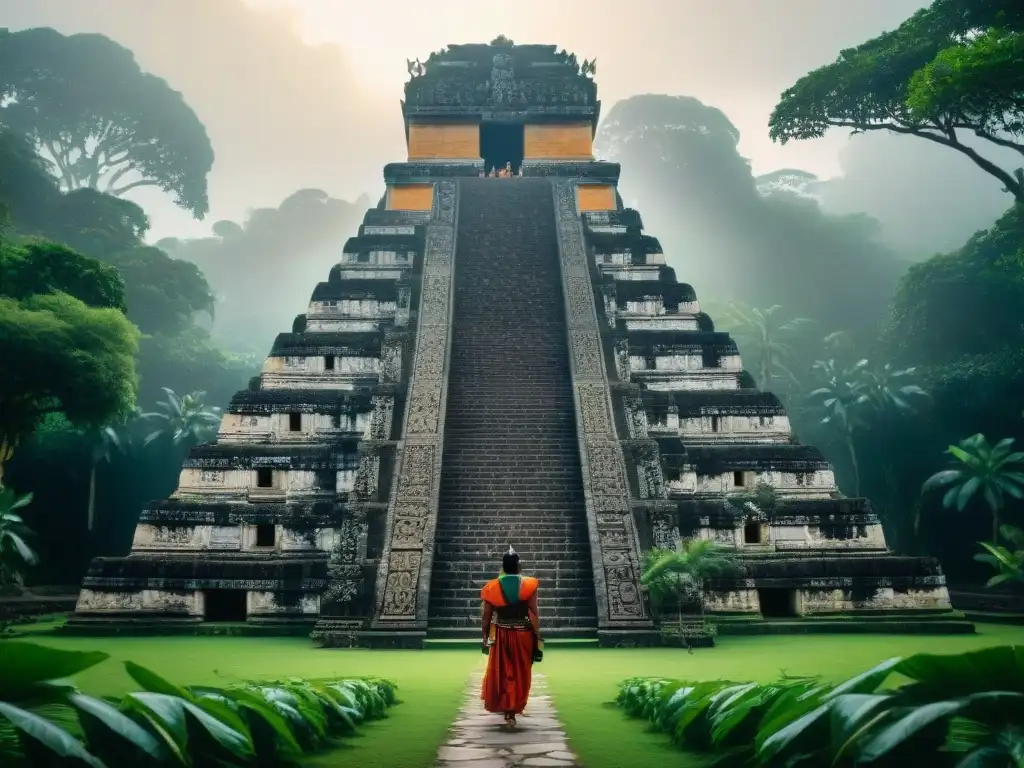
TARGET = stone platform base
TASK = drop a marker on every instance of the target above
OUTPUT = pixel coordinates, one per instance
(628, 638)
(947, 623)
(996, 606)
(408, 640)
(29, 605)
(140, 627)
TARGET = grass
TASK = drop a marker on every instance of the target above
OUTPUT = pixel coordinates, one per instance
(583, 682)
(430, 685)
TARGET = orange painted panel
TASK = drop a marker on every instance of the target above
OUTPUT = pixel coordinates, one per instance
(595, 197)
(411, 197)
(454, 141)
(570, 141)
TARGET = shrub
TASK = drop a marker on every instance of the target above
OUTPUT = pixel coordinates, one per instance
(957, 710)
(44, 720)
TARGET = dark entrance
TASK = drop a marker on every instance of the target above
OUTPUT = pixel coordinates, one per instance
(777, 603)
(501, 143)
(225, 605)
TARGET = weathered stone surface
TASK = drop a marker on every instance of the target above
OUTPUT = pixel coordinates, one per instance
(608, 514)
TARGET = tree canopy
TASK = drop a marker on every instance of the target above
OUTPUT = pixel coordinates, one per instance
(306, 232)
(66, 358)
(950, 70)
(697, 194)
(967, 302)
(99, 120)
(41, 267)
(162, 294)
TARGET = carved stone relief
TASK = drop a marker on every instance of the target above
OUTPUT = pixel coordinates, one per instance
(412, 509)
(604, 470)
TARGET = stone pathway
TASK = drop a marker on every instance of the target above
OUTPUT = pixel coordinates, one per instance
(478, 740)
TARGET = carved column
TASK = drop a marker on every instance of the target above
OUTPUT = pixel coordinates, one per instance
(403, 580)
(614, 544)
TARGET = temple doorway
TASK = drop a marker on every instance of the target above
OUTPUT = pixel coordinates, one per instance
(226, 605)
(778, 603)
(502, 143)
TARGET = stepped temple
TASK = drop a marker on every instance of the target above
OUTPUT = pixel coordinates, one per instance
(498, 361)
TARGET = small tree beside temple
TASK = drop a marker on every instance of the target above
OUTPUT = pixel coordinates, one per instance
(674, 579)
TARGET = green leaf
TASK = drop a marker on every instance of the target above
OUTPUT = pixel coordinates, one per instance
(22, 501)
(153, 683)
(942, 478)
(175, 712)
(53, 739)
(24, 664)
(941, 676)
(259, 708)
(966, 492)
(794, 736)
(897, 734)
(865, 682)
(101, 720)
(25, 552)
(949, 498)
(851, 716)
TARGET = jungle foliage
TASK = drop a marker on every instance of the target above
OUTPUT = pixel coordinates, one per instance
(45, 720)
(955, 710)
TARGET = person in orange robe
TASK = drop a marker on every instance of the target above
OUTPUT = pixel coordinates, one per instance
(512, 641)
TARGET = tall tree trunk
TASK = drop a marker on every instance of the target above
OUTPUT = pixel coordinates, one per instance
(853, 463)
(92, 497)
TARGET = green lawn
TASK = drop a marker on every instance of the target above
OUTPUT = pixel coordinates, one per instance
(431, 683)
(583, 681)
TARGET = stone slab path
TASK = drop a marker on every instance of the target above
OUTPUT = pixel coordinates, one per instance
(478, 740)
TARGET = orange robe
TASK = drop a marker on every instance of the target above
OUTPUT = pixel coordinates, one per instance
(509, 673)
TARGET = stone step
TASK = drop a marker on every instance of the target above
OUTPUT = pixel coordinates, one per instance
(500, 530)
(511, 465)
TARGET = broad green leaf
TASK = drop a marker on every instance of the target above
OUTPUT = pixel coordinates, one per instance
(967, 491)
(949, 499)
(22, 501)
(23, 664)
(797, 735)
(256, 706)
(851, 715)
(102, 722)
(53, 739)
(865, 682)
(899, 733)
(942, 478)
(153, 683)
(985, 757)
(175, 713)
(942, 676)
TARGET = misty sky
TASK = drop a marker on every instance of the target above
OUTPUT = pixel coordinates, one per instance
(304, 93)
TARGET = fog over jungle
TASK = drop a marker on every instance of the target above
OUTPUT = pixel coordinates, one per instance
(299, 94)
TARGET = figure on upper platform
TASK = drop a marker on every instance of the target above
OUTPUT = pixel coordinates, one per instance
(511, 639)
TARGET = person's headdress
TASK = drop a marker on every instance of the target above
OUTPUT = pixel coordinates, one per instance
(510, 550)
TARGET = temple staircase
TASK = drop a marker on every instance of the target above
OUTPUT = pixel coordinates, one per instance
(511, 468)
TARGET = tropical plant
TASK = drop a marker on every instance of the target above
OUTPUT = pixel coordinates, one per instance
(768, 334)
(951, 70)
(957, 710)
(848, 394)
(15, 552)
(1010, 565)
(677, 576)
(44, 720)
(990, 471)
(186, 420)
